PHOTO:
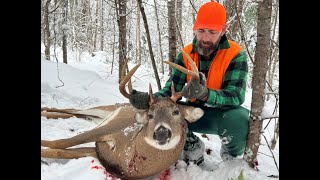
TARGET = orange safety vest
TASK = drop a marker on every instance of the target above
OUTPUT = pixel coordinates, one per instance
(218, 66)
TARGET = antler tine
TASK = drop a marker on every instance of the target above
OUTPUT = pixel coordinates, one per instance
(194, 72)
(150, 94)
(192, 64)
(129, 83)
(174, 95)
(125, 80)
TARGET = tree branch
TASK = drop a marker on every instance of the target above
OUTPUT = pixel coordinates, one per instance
(242, 32)
(179, 33)
(274, 159)
(193, 6)
(270, 117)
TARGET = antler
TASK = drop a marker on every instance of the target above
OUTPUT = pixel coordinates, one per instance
(193, 65)
(150, 94)
(194, 72)
(125, 80)
(175, 95)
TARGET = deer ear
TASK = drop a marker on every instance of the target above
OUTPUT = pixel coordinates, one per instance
(191, 114)
(142, 117)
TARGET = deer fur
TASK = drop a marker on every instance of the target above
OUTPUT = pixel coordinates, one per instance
(131, 143)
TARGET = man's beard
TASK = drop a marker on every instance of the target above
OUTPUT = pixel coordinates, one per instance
(207, 50)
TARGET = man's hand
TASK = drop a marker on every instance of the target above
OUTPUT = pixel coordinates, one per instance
(139, 100)
(195, 88)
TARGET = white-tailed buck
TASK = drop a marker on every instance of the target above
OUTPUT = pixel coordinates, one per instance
(132, 143)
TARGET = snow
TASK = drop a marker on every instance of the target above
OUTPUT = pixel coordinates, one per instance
(89, 83)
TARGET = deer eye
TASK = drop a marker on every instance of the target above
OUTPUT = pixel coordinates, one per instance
(150, 116)
(175, 112)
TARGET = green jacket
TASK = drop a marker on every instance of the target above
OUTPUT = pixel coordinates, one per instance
(232, 92)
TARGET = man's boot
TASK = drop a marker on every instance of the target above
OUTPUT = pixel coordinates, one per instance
(224, 154)
(193, 149)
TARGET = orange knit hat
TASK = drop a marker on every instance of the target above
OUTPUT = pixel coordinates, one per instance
(211, 15)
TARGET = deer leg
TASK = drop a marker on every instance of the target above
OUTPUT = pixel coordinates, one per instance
(56, 115)
(98, 112)
(69, 153)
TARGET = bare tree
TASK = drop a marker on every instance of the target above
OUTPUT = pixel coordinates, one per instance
(121, 20)
(259, 81)
(138, 45)
(274, 52)
(113, 45)
(64, 32)
(101, 26)
(172, 31)
(95, 31)
(178, 21)
(159, 35)
(47, 42)
(276, 135)
(145, 22)
(233, 23)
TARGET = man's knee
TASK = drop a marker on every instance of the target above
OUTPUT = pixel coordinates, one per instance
(236, 120)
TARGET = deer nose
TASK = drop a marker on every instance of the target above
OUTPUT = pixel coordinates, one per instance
(161, 135)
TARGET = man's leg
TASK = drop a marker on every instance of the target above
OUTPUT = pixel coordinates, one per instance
(232, 125)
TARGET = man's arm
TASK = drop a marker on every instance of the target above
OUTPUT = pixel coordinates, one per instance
(232, 92)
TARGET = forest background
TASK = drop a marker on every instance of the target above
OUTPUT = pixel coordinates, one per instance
(150, 32)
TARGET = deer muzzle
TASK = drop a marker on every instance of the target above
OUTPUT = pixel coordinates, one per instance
(162, 135)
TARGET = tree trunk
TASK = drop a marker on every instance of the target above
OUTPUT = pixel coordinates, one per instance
(121, 19)
(179, 13)
(272, 66)
(114, 42)
(159, 36)
(95, 33)
(259, 81)
(101, 27)
(172, 32)
(64, 34)
(138, 46)
(273, 57)
(233, 26)
(145, 22)
(193, 12)
(47, 42)
(276, 135)
(178, 21)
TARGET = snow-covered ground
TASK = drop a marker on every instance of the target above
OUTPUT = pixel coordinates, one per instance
(89, 83)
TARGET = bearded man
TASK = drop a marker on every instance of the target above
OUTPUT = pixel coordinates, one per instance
(220, 92)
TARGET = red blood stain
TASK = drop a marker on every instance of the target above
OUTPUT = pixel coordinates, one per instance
(136, 159)
(109, 175)
(164, 175)
(104, 172)
(96, 167)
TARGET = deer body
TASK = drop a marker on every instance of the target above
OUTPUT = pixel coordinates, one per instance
(130, 146)
(131, 143)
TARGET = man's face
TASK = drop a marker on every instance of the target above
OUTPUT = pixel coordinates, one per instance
(208, 40)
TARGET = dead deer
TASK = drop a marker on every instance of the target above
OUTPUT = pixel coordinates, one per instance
(131, 144)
